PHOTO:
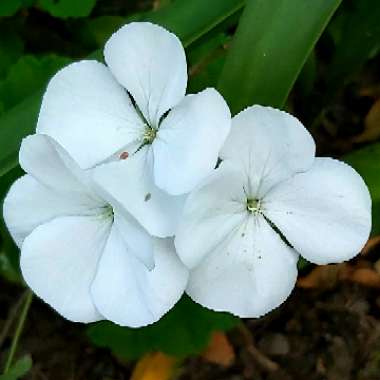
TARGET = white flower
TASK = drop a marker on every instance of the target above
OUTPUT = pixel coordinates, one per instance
(269, 188)
(81, 251)
(170, 141)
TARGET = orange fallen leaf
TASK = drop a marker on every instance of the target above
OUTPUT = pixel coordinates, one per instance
(321, 277)
(155, 366)
(219, 350)
(327, 276)
(366, 277)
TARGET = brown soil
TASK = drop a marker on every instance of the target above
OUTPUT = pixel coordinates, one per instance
(332, 334)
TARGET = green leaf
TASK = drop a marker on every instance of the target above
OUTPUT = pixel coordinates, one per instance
(306, 79)
(9, 7)
(101, 28)
(15, 124)
(7, 270)
(206, 61)
(68, 8)
(11, 48)
(9, 252)
(29, 74)
(185, 330)
(21, 119)
(204, 16)
(357, 37)
(19, 369)
(272, 43)
(173, 17)
(366, 162)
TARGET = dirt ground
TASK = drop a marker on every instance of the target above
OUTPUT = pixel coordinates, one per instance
(330, 333)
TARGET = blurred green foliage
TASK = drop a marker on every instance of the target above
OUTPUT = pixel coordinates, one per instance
(18, 369)
(356, 35)
(27, 75)
(10, 7)
(11, 48)
(274, 50)
(57, 8)
(259, 63)
(67, 8)
(367, 162)
(183, 331)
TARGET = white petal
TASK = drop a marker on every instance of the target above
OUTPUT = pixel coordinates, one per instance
(49, 163)
(150, 63)
(130, 183)
(88, 113)
(59, 261)
(136, 239)
(270, 145)
(212, 211)
(127, 293)
(189, 140)
(253, 272)
(324, 213)
(29, 204)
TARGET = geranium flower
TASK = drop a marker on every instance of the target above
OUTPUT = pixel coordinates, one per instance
(134, 116)
(81, 251)
(269, 201)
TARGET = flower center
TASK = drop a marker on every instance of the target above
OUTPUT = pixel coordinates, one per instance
(149, 135)
(253, 205)
(107, 212)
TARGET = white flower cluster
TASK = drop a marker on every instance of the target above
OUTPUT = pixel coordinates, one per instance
(122, 161)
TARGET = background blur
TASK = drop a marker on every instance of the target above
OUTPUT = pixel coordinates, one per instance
(330, 326)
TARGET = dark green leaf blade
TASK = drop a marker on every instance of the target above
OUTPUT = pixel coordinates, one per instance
(273, 41)
(9, 7)
(15, 124)
(68, 8)
(11, 48)
(204, 16)
(357, 39)
(9, 252)
(366, 162)
(28, 75)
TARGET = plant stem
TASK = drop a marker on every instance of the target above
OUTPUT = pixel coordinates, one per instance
(19, 328)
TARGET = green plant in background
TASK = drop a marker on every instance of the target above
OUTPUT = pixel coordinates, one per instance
(183, 331)
(258, 64)
(19, 369)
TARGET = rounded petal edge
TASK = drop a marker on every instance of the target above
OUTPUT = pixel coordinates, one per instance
(325, 213)
(248, 276)
(150, 62)
(59, 261)
(128, 293)
(189, 140)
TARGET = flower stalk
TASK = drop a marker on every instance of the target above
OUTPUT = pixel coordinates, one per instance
(19, 329)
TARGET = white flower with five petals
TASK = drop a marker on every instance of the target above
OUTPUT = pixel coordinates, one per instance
(132, 120)
(269, 201)
(81, 251)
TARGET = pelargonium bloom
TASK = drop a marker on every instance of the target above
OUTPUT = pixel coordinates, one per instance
(133, 117)
(270, 200)
(81, 251)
